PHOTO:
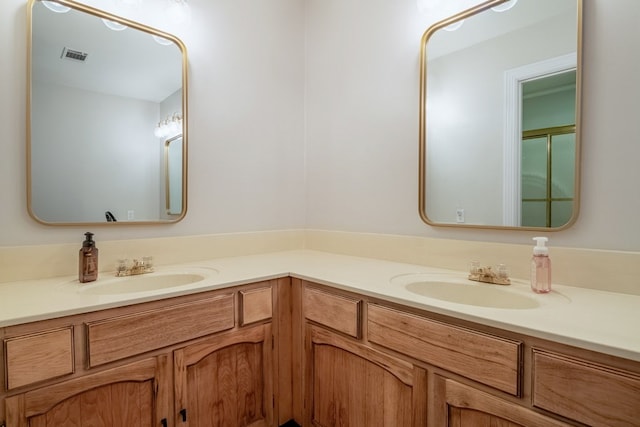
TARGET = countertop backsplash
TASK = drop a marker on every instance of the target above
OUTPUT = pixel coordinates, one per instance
(614, 271)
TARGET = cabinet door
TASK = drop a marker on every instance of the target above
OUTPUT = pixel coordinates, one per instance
(133, 395)
(226, 380)
(459, 405)
(349, 384)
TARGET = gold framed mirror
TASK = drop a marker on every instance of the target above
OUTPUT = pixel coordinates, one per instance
(104, 94)
(499, 125)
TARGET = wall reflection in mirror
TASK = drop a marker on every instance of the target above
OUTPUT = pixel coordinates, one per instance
(499, 119)
(98, 96)
(173, 174)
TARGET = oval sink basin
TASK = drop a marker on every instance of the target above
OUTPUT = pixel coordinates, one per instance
(455, 288)
(144, 282)
(472, 294)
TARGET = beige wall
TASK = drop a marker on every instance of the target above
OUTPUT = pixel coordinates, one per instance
(304, 115)
(362, 116)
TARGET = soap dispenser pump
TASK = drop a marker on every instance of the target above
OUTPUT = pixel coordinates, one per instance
(540, 267)
(88, 263)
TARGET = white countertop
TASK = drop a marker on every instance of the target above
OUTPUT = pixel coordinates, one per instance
(602, 321)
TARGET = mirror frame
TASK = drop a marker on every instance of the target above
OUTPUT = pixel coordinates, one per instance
(422, 142)
(138, 26)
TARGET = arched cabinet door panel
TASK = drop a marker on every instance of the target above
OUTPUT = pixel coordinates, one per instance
(136, 394)
(226, 380)
(460, 405)
(350, 384)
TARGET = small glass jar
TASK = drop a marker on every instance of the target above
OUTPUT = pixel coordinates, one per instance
(474, 268)
(503, 271)
(121, 267)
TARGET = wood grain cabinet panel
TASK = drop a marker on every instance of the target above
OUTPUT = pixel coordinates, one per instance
(129, 395)
(583, 391)
(226, 380)
(255, 305)
(489, 359)
(37, 357)
(334, 311)
(352, 385)
(458, 405)
(124, 336)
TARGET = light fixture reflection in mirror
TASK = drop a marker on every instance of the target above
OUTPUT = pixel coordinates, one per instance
(113, 25)
(454, 26)
(91, 115)
(505, 6)
(471, 131)
(56, 7)
(162, 41)
(169, 127)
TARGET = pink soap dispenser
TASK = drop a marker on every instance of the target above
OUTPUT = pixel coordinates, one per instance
(541, 267)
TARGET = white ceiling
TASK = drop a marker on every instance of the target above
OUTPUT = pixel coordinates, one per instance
(126, 63)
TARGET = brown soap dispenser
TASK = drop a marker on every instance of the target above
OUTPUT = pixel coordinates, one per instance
(88, 263)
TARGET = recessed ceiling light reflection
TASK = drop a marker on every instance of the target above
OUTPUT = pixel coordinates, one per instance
(113, 25)
(55, 7)
(454, 26)
(505, 6)
(162, 40)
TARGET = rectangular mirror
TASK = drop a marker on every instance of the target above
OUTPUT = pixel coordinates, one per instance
(499, 131)
(104, 94)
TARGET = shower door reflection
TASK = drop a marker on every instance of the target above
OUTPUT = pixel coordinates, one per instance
(548, 176)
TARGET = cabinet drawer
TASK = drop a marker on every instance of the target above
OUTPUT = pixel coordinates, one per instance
(124, 336)
(592, 394)
(337, 312)
(488, 359)
(255, 305)
(38, 357)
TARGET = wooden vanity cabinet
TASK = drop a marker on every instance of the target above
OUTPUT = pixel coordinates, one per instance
(265, 353)
(199, 360)
(346, 382)
(362, 354)
(367, 364)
